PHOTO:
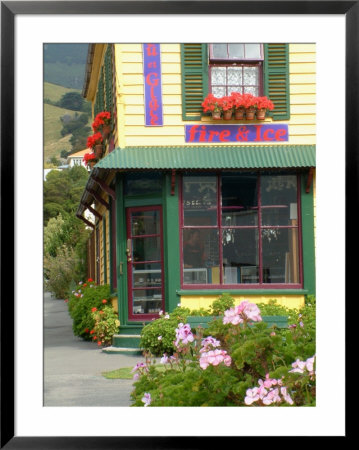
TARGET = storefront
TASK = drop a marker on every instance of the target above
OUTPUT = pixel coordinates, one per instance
(206, 207)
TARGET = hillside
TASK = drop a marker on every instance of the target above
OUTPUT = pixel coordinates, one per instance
(64, 64)
(54, 143)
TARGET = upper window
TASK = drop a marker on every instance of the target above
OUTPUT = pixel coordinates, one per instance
(236, 68)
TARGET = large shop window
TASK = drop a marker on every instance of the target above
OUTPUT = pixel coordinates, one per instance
(241, 229)
(236, 68)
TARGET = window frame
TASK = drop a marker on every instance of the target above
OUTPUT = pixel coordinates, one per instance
(236, 62)
(259, 227)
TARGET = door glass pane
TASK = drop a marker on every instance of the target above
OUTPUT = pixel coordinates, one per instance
(219, 51)
(147, 301)
(145, 223)
(200, 200)
(279, 199)
(147, 275)
(239, 200)
(280, 255)
(236, 51)
(240, 256)
(146, 249)
(200, 256)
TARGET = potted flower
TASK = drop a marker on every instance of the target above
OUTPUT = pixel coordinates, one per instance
(102, 122)
(212, 104)
(95, 143)
(249, 102)
(263, 103)
(238, 105)
(90, 159)
(227, 107)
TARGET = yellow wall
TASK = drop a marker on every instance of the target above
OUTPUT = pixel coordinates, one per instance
(205, 301)
(130, 96)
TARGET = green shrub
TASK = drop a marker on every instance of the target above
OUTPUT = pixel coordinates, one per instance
(157, 337)
(88, 295)
(106, 325)
(59, 271)
(255, 351)
(224, 302)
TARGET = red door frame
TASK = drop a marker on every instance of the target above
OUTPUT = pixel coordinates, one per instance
(131, 315)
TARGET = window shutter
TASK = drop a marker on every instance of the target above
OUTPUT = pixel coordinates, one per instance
(276, 79)
(108, 78)
(100, 105)
(194, 64)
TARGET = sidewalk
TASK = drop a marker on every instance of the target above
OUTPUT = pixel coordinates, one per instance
(73, 367)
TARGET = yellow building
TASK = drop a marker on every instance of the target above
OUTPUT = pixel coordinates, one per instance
(187, 206)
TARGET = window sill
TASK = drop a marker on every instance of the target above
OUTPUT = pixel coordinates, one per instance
(208, 119)
(262, 291)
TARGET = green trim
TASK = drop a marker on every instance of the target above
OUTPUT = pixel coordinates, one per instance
(171, 242)
(110, 243)
(142, 201)
(276, 79)
(308, 246)
(202, 292)
(104, 249)
(121, 252)
(194, 75)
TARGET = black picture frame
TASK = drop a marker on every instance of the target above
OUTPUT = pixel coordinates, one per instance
(9, 9)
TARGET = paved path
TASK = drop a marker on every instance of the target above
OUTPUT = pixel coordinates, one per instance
(73, 367)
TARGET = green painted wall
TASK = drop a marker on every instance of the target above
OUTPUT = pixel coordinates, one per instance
(307, 210)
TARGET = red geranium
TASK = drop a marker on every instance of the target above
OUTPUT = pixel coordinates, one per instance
(238, 100)
(95, 139)
(249, 100)
(264, 103)
(94, 309)
(90, 280)
(227, 103)
(102, 118)
(104, 301)
(89, 157)
(212, 103)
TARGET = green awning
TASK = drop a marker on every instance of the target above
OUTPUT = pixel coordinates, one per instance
(210, 157)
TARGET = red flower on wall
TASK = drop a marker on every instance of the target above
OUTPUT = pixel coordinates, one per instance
(95, 139)
(102, 118)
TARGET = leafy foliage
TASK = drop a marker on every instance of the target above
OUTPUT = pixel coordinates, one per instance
(63, 190)
(255, 352)
(106, 324)
(86, 296)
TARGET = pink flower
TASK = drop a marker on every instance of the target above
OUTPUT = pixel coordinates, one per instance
(159, 338)
(164, 359)
(214, 357)
(286, 396)
(146, 399)
(241, 312)
(232, 316)
(310, 364)
(252, 395)
(184, 334)
(209, 342)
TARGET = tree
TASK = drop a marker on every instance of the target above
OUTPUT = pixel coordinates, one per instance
(63, 190)
(72, 100)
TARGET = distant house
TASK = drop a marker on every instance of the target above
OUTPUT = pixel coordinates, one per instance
(76, 159)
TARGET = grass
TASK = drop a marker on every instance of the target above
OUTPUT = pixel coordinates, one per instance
(124, 373)
(54, 143)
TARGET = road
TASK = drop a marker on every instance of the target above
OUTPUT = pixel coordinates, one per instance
(73, 367)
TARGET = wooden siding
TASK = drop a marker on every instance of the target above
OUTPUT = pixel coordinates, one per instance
(130, 98)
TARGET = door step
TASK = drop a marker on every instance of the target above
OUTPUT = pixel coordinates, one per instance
(122, 350)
